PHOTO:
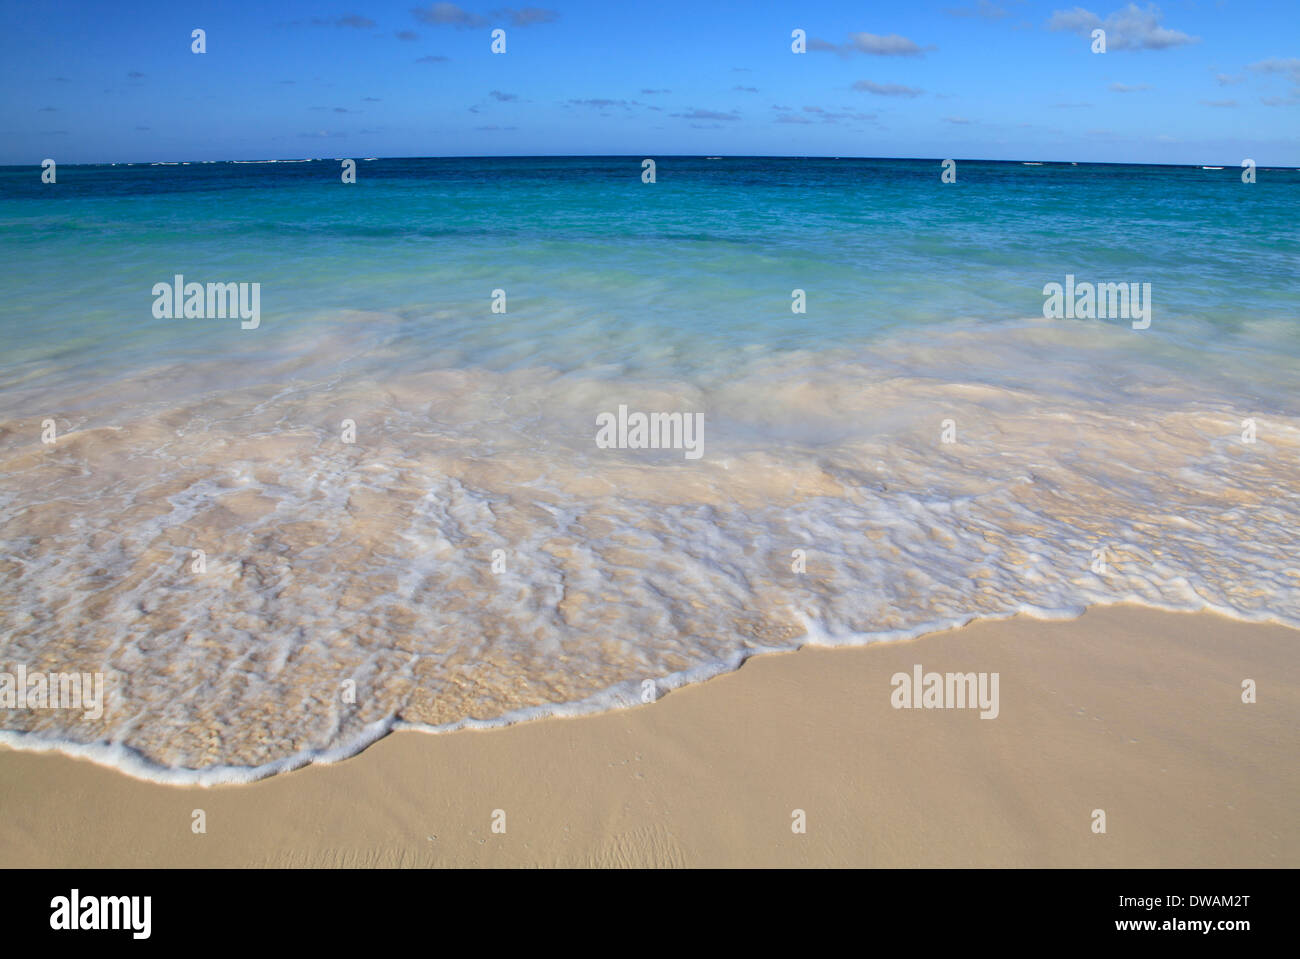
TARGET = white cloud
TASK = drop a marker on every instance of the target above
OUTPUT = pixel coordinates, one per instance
(878, 46)
(1128, 28)
(984, 9)
(887, 89)
(871, 44)
(1289, 66)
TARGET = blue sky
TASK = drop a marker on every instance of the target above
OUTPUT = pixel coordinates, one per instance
(1185, 81)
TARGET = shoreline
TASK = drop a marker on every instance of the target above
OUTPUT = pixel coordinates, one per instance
(1127, 709)
(615, 698)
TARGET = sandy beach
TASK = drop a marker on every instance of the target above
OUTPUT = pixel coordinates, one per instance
(1128, 710)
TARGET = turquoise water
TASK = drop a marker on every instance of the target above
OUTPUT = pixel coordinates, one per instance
(600, 268)
(937, 449)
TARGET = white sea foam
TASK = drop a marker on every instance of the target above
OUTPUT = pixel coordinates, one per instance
(374, 563)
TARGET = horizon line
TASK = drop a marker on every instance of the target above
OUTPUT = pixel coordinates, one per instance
(689, 156)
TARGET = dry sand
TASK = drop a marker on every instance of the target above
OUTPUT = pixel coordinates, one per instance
(1135, 712)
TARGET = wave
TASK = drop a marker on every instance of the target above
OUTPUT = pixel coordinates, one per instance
(470, 557)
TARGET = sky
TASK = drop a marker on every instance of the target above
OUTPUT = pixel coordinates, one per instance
(1185, 81)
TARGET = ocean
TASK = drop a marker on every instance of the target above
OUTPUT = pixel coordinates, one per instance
(385, 502)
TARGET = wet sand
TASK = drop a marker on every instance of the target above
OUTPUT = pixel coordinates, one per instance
(1127, 710)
